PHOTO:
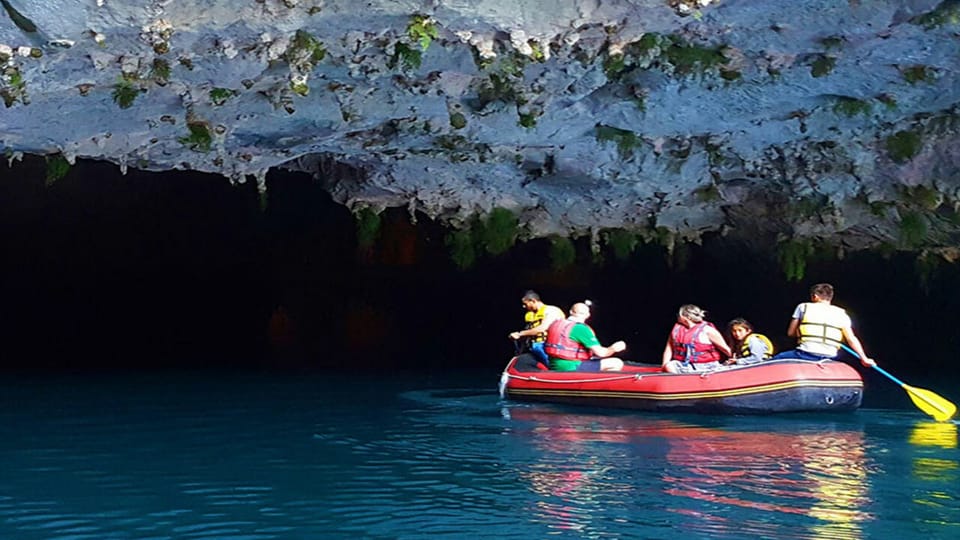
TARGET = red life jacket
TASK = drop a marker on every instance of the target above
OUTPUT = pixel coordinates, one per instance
(559, 344)
(687, 347)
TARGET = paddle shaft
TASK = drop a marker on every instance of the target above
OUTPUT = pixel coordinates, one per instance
(929, 402)
(878, 368)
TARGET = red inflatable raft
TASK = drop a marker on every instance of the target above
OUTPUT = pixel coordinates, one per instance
(769, 387)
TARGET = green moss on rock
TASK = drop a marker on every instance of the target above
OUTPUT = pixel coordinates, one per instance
(689, 58)
(730, 75)
(200, 139)
(219, 96)
(13, 88)
(423, 30)
(458, 120)
(369, 225)
(461, 247)
(57, 168)
(793, 255)
(527, 120)
(305, 50)
(125, 92)
(917, 74)
(563, 253)
(851, 107)
(405, 57)
(499, 231)
(946, 13)
(627, 141)
(622, 243)
(160, 71)
(903, 146)
(923, 197)
(913, 229)
(822, 65)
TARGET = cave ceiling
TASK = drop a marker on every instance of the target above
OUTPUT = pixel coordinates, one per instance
(797, 121)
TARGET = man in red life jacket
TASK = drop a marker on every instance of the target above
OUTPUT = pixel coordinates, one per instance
(573, 346)
(694, 345)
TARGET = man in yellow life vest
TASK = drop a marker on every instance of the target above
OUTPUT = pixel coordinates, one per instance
(821, 328)
(538, 318)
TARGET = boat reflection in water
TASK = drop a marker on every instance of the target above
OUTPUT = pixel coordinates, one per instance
(757, 478)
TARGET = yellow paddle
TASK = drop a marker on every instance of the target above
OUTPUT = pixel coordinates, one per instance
(925, 400)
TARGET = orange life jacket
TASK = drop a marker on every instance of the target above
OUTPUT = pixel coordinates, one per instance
(687, 347)
(559, 344)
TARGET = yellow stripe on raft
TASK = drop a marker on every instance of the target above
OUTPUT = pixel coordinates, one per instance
(688, 395)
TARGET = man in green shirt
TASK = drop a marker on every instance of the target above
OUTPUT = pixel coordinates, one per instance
(573, 346)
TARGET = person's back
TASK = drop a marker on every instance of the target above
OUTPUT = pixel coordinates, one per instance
(566, 344)
(821, 329)
(572, 345)
(694, 345)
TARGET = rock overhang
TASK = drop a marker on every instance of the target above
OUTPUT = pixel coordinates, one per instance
(802, 121)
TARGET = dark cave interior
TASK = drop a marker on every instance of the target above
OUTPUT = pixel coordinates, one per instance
(181, 269)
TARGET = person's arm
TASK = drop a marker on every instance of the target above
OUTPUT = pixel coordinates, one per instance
(548, 318)
(857, 347)
(793, 329)
(605, 352)
(667, 353)
(716, 338)
(758, 350)
(536, 330)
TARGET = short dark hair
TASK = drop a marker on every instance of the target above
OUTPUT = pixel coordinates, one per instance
(530, 295)
(823, 290)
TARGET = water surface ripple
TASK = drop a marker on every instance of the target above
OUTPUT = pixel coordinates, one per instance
(277, 457)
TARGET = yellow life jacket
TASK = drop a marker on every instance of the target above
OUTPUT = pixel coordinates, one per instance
(820, 323)
(534, 319)
(745, 347)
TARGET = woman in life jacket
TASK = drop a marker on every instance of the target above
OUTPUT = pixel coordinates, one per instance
(694, 345)
(748, 347)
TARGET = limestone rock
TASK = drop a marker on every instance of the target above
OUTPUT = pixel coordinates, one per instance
(799, 119)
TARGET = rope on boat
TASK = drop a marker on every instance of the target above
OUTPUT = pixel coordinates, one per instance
(636, 376)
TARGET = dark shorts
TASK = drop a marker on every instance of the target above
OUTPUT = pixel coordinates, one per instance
(573, 365)
(797, 354)
(591, 366)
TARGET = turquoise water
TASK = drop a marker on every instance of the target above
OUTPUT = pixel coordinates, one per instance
(268, 456)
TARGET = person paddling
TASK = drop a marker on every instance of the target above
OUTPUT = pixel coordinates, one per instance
(538, 318)
(821, 329)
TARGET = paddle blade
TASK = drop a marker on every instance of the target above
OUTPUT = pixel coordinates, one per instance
(937, 407)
